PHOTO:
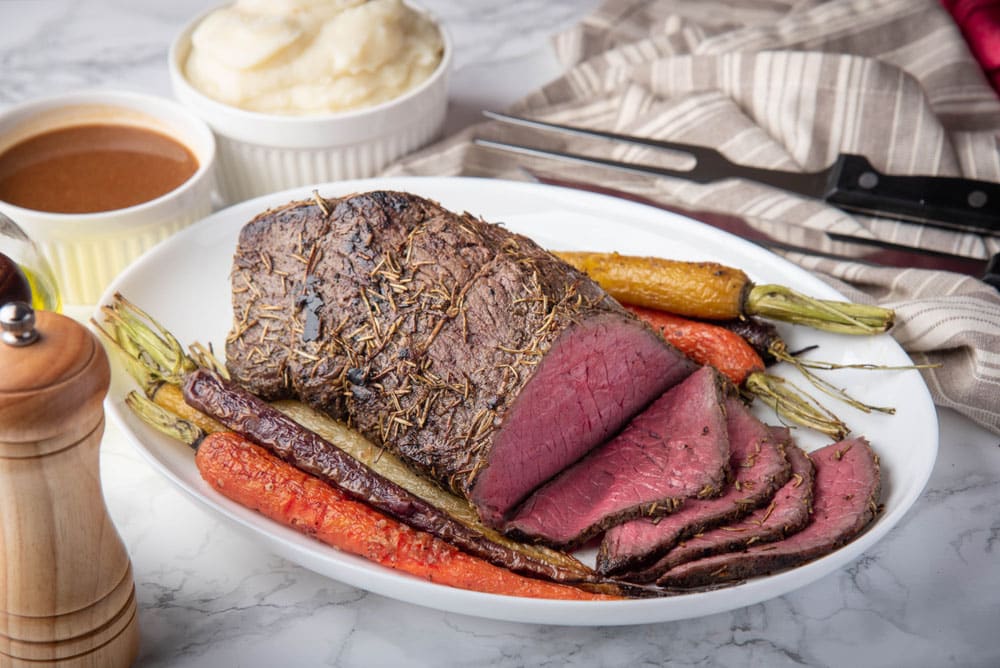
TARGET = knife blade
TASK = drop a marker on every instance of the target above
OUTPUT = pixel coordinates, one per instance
(869, 251)
(851, 183)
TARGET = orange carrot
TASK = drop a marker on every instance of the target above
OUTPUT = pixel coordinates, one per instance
(251, 476)
(705, 343)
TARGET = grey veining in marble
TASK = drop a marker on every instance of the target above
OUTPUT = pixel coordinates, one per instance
(927, 595)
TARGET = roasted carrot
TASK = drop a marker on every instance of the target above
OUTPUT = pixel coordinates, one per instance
(705, 343)
(716, 292)
(251, 476)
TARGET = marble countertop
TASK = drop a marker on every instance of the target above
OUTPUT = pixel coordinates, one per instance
(926, 595)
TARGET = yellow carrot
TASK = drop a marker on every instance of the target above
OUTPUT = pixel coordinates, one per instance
(716, 292)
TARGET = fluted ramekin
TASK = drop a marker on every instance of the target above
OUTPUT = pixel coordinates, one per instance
(87, 250)
(262, 153)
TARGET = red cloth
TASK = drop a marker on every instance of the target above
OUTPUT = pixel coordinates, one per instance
(980, 24)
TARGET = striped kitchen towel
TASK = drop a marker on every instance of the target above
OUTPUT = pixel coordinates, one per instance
(789, 84)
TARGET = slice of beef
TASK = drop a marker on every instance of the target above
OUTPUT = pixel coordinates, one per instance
(845, 501)
(674, 450)
(788, 512)
(759, 467)
(484, 361)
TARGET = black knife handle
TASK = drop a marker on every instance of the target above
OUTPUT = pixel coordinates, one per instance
(942, 201)
(992, 274)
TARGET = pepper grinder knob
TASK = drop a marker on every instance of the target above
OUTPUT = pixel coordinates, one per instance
(67, 595)
(17, 320)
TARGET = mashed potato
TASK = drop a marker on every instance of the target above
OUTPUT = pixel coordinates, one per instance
(301, 57)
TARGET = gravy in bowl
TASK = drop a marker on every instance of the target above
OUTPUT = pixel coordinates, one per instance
(93, 167)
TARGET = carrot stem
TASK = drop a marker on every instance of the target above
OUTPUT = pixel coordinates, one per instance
(164, 421)
(795, 405)
(781, 303)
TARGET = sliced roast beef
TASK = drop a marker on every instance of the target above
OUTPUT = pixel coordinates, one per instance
(845, 501)
(788, 512)
(759, 467)
(468, 350)
(674, 450)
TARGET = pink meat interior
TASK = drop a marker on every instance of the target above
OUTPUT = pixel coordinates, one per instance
(597, 375)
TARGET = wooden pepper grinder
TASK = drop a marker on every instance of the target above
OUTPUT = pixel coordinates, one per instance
(67, 596)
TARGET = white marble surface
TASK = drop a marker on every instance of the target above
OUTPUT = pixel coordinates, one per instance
(927, 595)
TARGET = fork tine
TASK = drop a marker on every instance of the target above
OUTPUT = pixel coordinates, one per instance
(593, 160)
(700, 153)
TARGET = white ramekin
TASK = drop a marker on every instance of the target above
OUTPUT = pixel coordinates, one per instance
(87, 250)
(263, 153)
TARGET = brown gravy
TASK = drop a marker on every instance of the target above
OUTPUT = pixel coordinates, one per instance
(90, 168)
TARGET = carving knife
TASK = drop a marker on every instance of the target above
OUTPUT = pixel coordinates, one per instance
(870, 251)
(850, 183)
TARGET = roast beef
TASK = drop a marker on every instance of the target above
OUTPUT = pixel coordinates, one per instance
(481, 359)
(846, 492)
(759, 468)
(789, 511)
(674, 450)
